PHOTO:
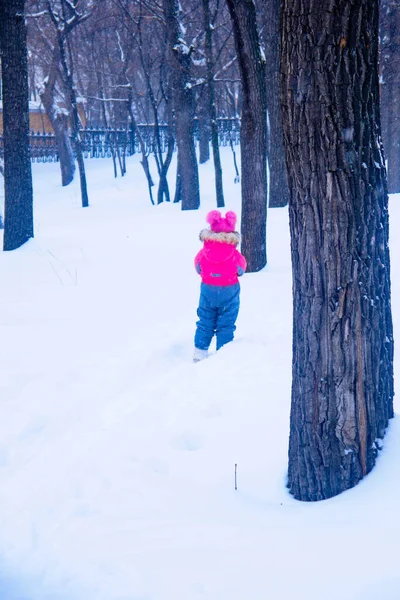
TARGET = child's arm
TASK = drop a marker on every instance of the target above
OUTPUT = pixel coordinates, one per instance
(241, 263)
(197, 259)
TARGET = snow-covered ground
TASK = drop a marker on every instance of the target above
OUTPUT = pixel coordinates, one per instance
(117, 453)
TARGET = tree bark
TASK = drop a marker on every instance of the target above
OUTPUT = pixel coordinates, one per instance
(64, 22)
(18, 209)
(342, 386)
(178, 181)
(180, 61)
(253, 135)
(390, 77)
(278, 185)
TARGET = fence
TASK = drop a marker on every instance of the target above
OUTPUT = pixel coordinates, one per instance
(102, 142)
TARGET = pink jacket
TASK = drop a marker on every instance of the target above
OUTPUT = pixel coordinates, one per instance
(218, 262)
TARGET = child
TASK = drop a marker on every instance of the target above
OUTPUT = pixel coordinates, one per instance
(220, 264)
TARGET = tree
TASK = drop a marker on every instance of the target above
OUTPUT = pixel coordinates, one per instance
(342, 386)
(179, 54)
(166, 93)
(65, 19)
(18, 210)
(278, 186)
(253, 135)
(45, 55)
(390, 77)
(60, 20)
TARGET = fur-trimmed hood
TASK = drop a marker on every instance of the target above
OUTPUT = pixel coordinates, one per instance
(233, 237)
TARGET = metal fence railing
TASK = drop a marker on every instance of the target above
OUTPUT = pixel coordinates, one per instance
(102, 142)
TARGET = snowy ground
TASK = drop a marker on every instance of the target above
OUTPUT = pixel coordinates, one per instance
(117, 453)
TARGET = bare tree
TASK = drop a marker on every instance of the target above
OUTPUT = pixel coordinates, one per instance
(57, 20)
(46, 57)
(342, 386)
(164, 98)
(65, 20)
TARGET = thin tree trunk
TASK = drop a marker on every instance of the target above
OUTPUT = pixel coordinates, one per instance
(76, 136)
(120, 162)
(18, 213)
(253, 140)
(144, 162)
(211, 104)
(163, 188)
(278, 186)
(342, 387)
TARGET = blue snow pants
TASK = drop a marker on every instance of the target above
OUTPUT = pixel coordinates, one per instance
(217, 312)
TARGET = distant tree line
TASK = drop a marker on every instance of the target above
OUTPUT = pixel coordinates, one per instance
(164, 62)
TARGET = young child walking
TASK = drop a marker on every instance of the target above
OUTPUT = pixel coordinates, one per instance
(220, 264)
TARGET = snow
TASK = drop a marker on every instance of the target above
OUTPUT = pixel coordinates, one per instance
(117, 453)
(182, 47)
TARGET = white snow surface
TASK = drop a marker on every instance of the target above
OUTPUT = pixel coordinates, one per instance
(117, 453)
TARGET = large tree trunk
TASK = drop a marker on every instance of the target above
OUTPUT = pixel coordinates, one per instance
(180, 61)
(18, 209)
(212, 110)
(278, 185)
(253, 135)
(342, 387)
(390, 71)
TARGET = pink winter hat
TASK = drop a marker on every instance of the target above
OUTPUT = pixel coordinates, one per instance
(219, 224)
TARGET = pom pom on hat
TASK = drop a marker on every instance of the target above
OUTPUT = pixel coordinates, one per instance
(230, 219)
(220, 224)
